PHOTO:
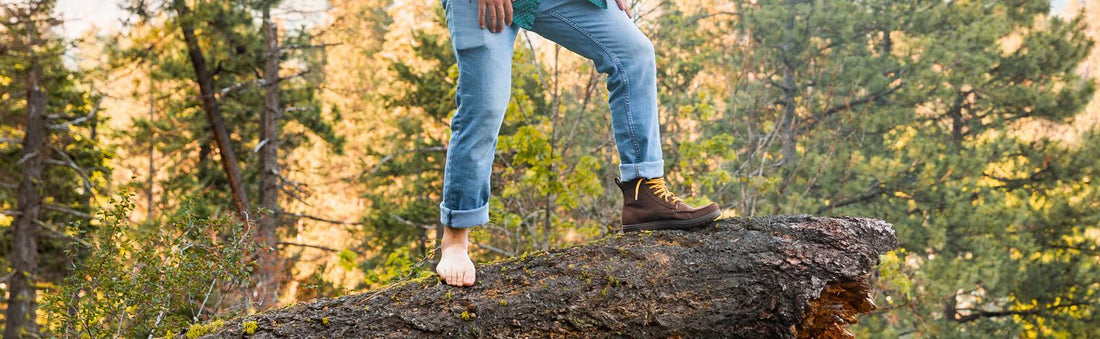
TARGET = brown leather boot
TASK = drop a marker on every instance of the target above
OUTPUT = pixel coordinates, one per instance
(649, 205)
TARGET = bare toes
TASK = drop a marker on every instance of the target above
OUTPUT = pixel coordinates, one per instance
(456, 278)
(470, 277)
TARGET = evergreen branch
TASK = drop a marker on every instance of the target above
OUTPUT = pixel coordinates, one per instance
(847, 106)
(1089, 251)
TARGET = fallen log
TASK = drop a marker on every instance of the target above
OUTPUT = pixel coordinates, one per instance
(771, 277)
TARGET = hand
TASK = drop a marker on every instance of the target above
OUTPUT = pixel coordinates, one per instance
(495, 14)
(623, 7)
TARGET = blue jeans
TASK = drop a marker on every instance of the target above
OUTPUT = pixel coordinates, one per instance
(605, 36)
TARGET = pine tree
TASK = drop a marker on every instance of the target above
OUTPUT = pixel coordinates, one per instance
(52, 166)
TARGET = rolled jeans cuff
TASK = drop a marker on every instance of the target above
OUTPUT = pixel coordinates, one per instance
(648, 170)
(465, 218)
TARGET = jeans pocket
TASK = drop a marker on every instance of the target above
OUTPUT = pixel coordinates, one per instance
(462, 23)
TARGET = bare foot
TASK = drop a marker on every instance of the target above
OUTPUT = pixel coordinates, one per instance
(455, 266)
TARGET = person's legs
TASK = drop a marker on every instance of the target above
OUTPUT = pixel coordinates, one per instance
(625, 54)
(620, 50)
(484, 85)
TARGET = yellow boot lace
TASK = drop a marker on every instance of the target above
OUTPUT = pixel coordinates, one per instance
(659, 189)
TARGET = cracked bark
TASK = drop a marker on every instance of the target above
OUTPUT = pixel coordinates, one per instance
(772, 277)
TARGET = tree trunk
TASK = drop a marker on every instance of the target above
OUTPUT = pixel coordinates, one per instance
(24, 249)
(205, 81)
(773, 277)
(268, 276)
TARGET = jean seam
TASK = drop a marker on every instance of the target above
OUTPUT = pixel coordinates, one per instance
(622, 75)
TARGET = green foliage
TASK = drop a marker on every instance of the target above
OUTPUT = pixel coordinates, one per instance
(136, 282)
(405, 181)
(399, 265)
(76, 166)
(176, 127)
(315, 286)
(917, 114)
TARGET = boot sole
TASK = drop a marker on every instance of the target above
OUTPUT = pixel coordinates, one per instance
(673, 224)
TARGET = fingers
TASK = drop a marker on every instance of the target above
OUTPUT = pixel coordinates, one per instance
(481, 13)
(622, 6)
(494, 14)
(491, 17)
(500, 16)
(508, 12)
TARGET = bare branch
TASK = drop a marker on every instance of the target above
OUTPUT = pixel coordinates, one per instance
(378, 166)
(10, 141)
(296, 75)
(319, 247)
(238, 85)
(410, 223)
(299, 46)
(297, 188)
(55, 231)
(258, 82)
(876, 190)
(975, 314)
(315, 218)
(63, 209)
(26, 157)
(496, 250)
(72, 164)
(7, 276)
(77, 121)
(11, 213)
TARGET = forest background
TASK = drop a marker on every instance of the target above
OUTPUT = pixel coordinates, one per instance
(208, 159)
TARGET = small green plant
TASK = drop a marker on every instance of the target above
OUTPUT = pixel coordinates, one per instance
(466, 315)
(146, 278)
(249, 327)
(197, 330)
(324, 321)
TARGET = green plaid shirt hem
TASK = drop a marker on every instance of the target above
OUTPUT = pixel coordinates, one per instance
(523, 11)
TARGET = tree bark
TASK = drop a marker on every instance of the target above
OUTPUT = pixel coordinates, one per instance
(205, 81)
(772, 277)
(268, 276)
(24, 249)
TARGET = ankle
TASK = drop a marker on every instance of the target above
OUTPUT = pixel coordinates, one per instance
(455, 238)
